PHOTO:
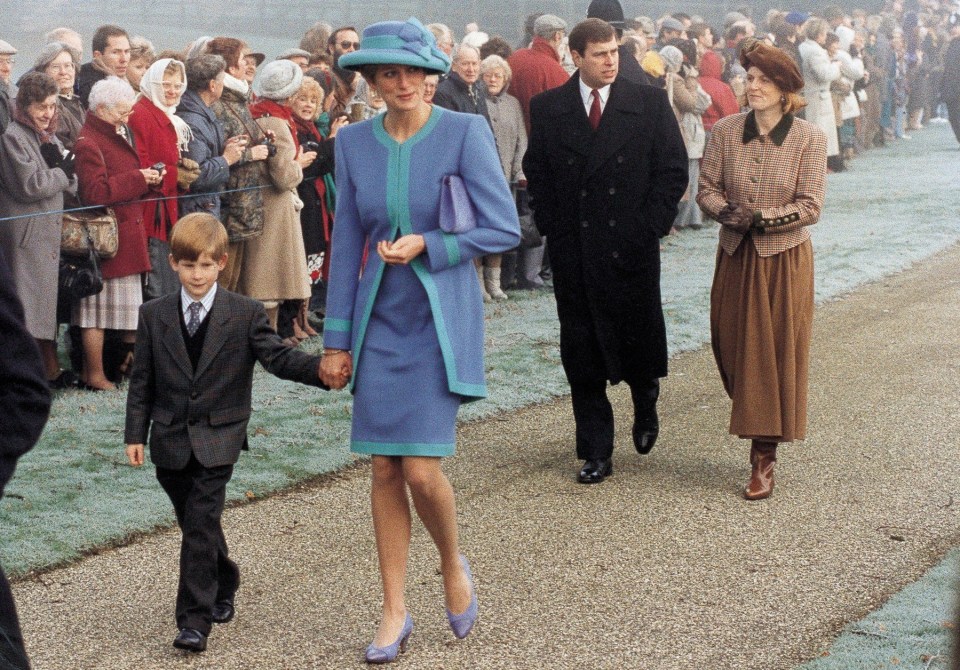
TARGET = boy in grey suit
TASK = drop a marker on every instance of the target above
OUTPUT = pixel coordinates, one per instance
(190, 389)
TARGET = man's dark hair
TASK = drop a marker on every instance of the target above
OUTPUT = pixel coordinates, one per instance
(698, 30)
(103, 35)
(596, 31)
(204, 69)
(333, 36)
(687, 47)
(681, 16)
(736, 31)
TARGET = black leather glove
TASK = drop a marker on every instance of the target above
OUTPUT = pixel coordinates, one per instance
(68, 164)
(51, 154)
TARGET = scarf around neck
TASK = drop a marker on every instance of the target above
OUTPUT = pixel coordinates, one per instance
(236, 85)
(47, 134)
(151, 88)
(266, 107)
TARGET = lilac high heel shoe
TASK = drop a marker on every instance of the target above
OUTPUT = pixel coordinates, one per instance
(379, 655)
(462, 624)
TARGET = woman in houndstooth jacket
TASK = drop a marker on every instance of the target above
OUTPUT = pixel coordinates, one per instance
(763, 179)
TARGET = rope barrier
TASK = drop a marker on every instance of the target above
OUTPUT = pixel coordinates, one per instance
(133, 202)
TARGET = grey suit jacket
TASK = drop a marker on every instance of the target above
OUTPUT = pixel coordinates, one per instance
(204, 412)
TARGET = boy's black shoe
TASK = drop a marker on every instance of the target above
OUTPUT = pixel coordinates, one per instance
(223, 612)
(190, 639)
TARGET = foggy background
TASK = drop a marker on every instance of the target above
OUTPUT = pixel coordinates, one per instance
(271, 26)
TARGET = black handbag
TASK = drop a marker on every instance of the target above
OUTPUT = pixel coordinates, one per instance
(529, 235)
(80, 277)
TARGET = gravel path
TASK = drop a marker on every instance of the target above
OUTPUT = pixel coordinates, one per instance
(662, 566)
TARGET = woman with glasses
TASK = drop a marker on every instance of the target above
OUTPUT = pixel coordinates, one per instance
(35, 171)
(61, 61)
(110, 174)
(506, 118)
(160, 137)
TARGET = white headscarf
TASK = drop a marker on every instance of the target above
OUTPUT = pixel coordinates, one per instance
(151, 88)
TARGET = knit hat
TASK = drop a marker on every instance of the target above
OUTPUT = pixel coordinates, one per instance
(50, 51)
(671, 23)
(6, 49)
(773, 62)
(609, 11)
(397, 43)
(672, 58)
(796, 18)
(279, 80)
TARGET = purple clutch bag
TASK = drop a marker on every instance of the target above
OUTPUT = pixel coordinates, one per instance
(456, 210)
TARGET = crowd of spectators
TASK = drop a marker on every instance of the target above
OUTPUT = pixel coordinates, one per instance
(216, 128)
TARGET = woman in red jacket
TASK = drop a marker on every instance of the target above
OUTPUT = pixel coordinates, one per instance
(109, 173)
(160, 136)
(724, 101)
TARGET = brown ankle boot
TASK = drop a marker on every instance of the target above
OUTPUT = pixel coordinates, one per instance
(763, 456)
(304, 322)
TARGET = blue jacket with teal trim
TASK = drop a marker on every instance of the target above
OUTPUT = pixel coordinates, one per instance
(386, 190)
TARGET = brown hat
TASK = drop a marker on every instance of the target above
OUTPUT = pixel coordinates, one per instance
(773, 62)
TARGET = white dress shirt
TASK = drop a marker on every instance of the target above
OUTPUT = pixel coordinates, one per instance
(206, 303)
(585, 93)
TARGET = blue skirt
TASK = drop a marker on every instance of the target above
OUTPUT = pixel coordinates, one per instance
(402, 403)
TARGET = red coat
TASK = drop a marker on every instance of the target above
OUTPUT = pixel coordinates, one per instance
(535, 70)
(724, 100)
(98, 147)
(156, 141)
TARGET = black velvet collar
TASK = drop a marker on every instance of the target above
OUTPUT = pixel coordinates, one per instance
(777, 135)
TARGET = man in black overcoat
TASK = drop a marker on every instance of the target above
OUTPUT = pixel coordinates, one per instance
(606, 167)
(24, 406)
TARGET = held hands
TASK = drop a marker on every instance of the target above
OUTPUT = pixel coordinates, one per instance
(135, 454)
(401, 252)
(336, 368)
(736, 217)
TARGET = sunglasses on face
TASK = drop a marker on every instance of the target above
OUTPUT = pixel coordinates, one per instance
(347, 45)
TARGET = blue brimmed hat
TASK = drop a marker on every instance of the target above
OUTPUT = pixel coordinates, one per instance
(397, 43)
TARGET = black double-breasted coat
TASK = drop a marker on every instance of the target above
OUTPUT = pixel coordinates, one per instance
(604, 199)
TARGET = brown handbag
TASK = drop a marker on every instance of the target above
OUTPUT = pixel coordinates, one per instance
(101, 227)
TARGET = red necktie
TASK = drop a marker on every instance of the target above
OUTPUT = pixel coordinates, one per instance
(595, 109)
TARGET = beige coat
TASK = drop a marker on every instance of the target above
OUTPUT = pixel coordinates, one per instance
(275, 263)
(818, 72)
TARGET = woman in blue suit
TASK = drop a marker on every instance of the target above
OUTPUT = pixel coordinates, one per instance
(404, 310)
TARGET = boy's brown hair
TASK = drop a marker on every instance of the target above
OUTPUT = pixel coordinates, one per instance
(196, 234)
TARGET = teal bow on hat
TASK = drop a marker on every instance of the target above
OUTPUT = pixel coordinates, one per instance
(420, 41)
(408, 39)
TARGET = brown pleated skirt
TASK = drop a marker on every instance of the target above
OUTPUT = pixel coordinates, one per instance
(761, 317)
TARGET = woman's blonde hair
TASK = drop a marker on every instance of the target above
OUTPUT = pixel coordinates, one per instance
(311, 89)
